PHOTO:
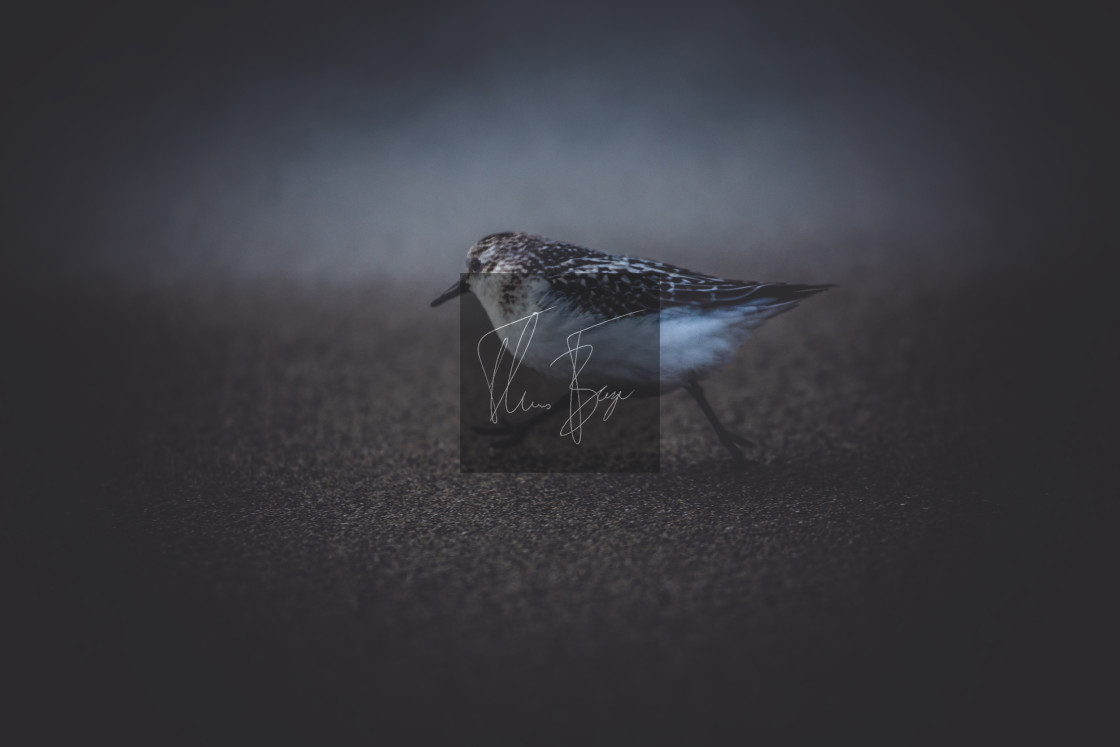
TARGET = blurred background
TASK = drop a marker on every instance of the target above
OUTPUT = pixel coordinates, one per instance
(235, 504)
(376, 142)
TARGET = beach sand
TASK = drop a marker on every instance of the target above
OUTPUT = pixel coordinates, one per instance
(238, 515)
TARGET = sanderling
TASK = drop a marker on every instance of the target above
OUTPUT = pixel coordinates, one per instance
(700, 320)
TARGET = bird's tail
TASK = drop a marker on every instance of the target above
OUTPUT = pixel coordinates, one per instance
(771, 299)
(783, 293)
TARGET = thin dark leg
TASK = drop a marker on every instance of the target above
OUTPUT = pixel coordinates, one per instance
(726, 437)
(516, 431)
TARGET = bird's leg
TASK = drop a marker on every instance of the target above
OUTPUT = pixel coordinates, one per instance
(726, 437)
(516, 431)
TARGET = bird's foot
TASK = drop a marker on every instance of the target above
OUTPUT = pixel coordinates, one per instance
(741, 440)
(732, 442)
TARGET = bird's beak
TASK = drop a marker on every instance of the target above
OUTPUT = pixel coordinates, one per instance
(458, 289)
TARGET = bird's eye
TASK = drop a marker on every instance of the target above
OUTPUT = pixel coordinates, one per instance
(476, 265)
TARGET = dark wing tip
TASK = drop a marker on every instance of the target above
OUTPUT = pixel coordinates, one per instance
(804, 291)
(765, 294)
(787, 292)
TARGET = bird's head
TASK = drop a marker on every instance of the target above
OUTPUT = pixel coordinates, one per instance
(496, 253)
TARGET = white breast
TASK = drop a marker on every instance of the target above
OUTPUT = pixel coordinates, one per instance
(689, 344)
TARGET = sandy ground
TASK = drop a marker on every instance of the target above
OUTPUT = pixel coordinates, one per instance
(238, 515)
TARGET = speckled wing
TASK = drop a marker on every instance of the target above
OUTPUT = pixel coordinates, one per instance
(606, 293)
(625, 285)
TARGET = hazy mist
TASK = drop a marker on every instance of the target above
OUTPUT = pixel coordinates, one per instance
(373, 142)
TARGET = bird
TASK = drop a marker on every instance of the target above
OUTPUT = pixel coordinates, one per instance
(617, 303)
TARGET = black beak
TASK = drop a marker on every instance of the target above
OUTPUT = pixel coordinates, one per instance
(458, 289)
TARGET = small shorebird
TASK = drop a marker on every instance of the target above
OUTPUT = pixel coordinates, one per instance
(617, 303)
